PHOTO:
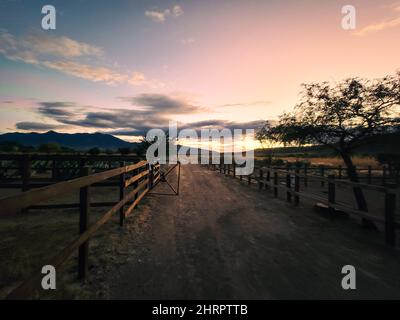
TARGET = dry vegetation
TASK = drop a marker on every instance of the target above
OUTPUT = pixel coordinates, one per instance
(30, 240)
(362, 162)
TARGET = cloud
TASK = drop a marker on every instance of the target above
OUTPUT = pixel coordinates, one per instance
(35, 126)
(36, 45)
(56, 109)
(244, 104)
(95, 73)
(127, 133)
(394, 6)
(187, 41)
(161, 15)
(157, 16)
(206, 124)
(391, 23)
(59, 46)
(382, 25)
(162, 103)
(148, 111)
(61, 54)
(177, 11)
(223, 124)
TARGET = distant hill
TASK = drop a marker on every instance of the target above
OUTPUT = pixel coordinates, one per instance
(382, 143)
(78, 141)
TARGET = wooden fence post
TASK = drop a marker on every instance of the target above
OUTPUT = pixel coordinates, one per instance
(84, 205)
(369, 178)
(25, 169)
(121, 194)
(390, 223)
(25, 172)
(383, 175)
(288, 187)
(151, 176)
(260, 177)
(305, 175)
(331, 193)
(322, 171)
(136, 183)
(275, 183)
(234, 169)
(54, 170)
(233, 164)
(82, 163)
(179, 178)
(297, 186)
(249, 179)
(268, 178)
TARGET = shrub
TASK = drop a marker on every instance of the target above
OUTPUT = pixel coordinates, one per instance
(94, 151)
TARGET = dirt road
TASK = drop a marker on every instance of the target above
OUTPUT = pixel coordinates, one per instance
(220, 239)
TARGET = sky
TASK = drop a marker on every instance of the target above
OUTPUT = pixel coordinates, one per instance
(123, 67)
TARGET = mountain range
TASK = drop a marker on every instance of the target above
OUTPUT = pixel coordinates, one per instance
(78, 141)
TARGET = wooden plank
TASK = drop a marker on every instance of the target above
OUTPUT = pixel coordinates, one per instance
(70, 205)
(71, 157)
(337, 206)
(135, 166)
(136, 202)
(13, 204)
(33, 282)
(341, 182)
(135, 178)
(35, 185)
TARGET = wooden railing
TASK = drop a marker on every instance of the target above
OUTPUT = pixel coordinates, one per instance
(370, 175)
(19, 170)
(268, 177)
(143, 177)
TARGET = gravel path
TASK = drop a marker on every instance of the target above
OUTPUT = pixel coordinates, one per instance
(220, 239)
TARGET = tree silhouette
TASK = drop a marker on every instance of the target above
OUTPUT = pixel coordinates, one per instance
(50, 147)
(341, 117)
(94, 151)
(124, 151)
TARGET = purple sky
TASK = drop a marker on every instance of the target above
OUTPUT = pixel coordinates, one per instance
(127, 66)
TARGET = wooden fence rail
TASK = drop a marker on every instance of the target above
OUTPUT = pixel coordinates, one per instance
(292, 188)
(141, 182)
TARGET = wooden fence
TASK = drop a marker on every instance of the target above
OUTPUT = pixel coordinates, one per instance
(26, 171)
(141, 176)
(293, 183)
(369, 175)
